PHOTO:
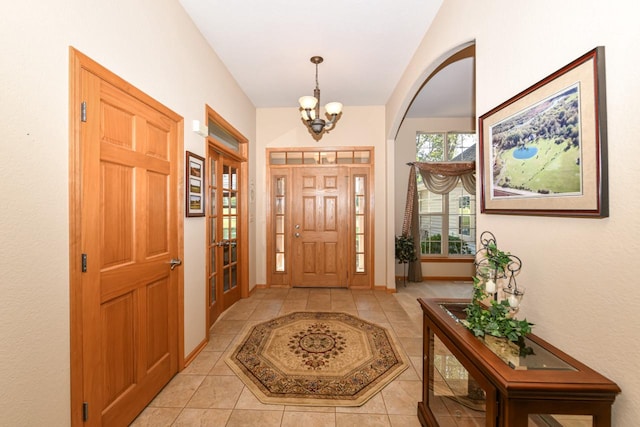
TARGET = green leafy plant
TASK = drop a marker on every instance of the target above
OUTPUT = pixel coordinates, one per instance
(495, 319)
(405, 252)
(498, 260)
(405, 249)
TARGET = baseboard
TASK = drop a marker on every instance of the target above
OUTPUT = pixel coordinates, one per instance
(195, 352)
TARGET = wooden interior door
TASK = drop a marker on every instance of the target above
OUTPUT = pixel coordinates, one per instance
(129, 219)
(225, 243)
(320, 227)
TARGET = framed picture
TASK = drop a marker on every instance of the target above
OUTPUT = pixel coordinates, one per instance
(194, 185)
(544, 151)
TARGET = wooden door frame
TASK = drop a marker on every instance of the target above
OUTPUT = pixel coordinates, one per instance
(240, 156)
(284, 279)
(77, 63)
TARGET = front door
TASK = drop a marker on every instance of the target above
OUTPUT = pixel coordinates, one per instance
(224, 244)
(320, 226)
(125, 289)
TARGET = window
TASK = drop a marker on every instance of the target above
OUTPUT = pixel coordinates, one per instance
(447, 221)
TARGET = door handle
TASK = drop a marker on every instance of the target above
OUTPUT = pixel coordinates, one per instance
(174, 262)
(297, 234)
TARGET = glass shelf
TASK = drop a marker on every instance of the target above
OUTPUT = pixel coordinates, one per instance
(534, 358)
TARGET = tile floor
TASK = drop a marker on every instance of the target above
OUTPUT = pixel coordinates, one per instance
(207, 392)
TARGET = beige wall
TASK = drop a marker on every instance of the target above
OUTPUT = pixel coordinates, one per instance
(358, 126)
(580, 274)
(154, 46)
(405, 151)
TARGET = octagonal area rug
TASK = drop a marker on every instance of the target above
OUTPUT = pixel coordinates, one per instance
(317, 359)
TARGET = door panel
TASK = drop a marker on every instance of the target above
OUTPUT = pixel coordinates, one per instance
(129, 217)
(224, 217)
(320, 230)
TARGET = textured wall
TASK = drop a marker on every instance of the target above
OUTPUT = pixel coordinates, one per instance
(154, 46)
(580, 274)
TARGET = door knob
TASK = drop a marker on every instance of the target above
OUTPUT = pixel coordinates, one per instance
(174, 262)
(297, 234)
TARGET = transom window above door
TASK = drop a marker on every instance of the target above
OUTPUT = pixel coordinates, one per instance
(333, 157)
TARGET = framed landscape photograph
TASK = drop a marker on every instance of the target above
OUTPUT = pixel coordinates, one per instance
(194, 166)
(543, 152)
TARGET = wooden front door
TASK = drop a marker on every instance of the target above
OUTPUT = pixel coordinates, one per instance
(320, 227)
(125, 291)
(225, 243)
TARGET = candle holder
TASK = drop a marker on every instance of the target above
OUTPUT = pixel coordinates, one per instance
(494, 266)
(496, 295)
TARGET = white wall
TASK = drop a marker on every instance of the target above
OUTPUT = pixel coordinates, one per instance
(358, 126)
(580, 274)
(154, 46)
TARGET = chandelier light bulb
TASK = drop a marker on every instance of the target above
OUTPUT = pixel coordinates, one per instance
(333, 108)
(308, 102)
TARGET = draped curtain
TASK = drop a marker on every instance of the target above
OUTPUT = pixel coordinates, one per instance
(439, 178)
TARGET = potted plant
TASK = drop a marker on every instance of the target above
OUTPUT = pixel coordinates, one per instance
(405, 252)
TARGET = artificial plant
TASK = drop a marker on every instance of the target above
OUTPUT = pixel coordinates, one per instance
(405, 251)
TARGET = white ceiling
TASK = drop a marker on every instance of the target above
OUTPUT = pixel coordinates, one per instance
(366, 45)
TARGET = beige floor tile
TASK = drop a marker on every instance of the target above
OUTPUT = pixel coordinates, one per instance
(177, 393)
(375, 405)
(291, 305)
(247, 418)
(404, 421)
(156, 417)
(297, 408)
(220, 392)
(265, 313)
(412, 346)
(417, 365)
(297, 294)
(308, 419)
(402, 397)
(375, 316)
(219, 342)
(362, 420)
(345, 306)
(321, 303)
(397, 316)
(409, 374)
(203, 363)
(407, 328)
(190, 417)
(248, 400)
(228, 327)
(221, 367)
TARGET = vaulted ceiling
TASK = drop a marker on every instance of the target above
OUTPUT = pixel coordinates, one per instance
(366, 47)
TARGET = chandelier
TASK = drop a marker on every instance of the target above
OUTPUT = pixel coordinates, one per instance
(310, 107)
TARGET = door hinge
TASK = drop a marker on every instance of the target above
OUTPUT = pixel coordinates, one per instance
(84, 263)
(83, 111)
(85, 411)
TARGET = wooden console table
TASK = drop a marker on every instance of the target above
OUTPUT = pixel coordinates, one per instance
(467, 383)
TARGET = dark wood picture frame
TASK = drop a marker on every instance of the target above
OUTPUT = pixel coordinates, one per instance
(194, 185)
(544, 151)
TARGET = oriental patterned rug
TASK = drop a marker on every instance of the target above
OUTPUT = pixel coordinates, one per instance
(317, 359)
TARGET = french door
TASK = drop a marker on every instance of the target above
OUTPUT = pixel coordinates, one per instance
(224, 243)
